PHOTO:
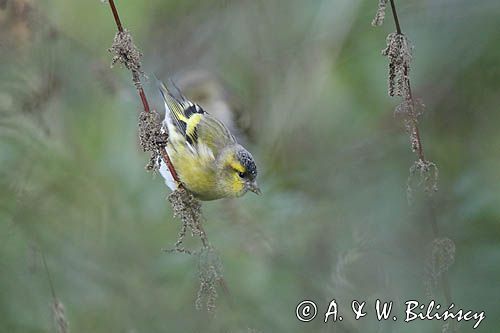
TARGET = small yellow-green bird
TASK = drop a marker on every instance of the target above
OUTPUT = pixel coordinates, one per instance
(205, 155)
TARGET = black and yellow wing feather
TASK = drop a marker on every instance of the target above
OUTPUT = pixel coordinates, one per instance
(184, 114)
(194, 123)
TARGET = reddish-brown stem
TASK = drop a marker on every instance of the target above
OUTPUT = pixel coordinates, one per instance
(142, 94)
(144, 100)
(115, 15)
(168, 162)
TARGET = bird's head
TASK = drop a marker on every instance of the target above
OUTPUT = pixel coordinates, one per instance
(237, 172)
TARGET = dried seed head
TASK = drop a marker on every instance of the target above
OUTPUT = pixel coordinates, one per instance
(58, 314)
(422, 174)
(188, 209)
(378, 20)
(179, 244)
(151, 137)
(126, 53)
(398, 51)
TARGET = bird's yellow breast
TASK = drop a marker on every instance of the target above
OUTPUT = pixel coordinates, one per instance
(195, 171)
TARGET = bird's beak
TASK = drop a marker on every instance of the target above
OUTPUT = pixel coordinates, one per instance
(254, 188)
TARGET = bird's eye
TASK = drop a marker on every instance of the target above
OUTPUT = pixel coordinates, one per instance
(241, 174)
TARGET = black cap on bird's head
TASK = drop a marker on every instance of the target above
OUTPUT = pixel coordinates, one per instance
(250, 170)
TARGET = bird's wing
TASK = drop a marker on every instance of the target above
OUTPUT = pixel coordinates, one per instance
(182, 114)
(194, 124)
(212, 133)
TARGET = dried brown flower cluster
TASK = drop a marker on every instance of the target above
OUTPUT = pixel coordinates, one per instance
(398, 51)
(126, 53)
(188, 209)
(151, 138)
(423, 174)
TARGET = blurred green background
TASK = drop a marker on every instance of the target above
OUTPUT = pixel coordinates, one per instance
(304, 85)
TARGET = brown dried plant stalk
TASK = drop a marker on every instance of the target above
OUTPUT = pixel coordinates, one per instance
(423, 173)
(154, 140)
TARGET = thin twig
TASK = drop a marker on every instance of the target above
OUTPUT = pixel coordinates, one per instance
(420, 149)
(394, 14)
(142, 94)
(170, 166)
(144, 100)
(52, 290)
(420, 152)
(115, 15)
